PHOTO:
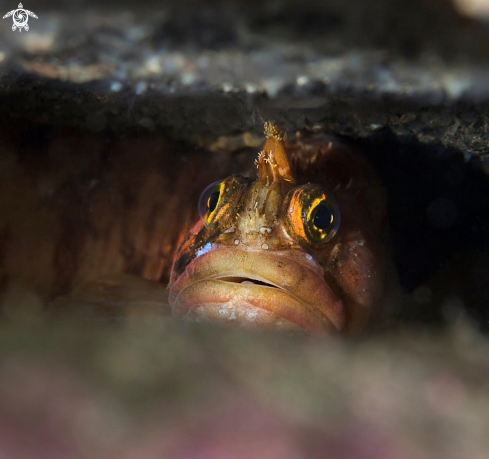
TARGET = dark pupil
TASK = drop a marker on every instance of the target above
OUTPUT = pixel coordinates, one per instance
(212, 201)
(322, 217)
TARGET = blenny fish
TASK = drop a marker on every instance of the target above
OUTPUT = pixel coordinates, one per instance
(297, 248)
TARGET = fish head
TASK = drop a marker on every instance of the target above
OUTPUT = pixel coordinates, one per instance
(275, 252)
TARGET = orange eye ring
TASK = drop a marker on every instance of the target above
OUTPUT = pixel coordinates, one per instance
(312, 214)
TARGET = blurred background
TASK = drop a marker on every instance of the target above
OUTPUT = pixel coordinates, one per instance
(115, 116)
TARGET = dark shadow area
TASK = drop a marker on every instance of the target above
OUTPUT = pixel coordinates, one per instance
(439, 217)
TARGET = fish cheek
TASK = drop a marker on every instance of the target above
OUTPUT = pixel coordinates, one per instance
(187, 250)
(180, 264)
(357, 268)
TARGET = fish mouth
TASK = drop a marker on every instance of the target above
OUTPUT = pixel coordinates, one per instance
(245, 280)
(258, 290)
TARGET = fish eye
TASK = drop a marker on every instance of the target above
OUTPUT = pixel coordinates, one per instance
(218, 202)
(212, 201)
(313, 214)
(322, 217)
(209, 201)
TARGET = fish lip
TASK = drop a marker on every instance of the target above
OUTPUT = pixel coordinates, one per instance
(224, 262)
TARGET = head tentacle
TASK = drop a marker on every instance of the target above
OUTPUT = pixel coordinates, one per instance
(273, 162)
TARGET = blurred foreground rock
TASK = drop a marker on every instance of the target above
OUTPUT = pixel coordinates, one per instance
(167, 390)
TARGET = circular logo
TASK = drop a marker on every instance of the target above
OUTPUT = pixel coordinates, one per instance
(20, 17)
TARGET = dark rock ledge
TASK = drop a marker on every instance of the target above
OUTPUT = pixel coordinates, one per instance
(199, 70)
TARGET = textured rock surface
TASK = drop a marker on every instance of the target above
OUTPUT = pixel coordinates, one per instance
(198, 70)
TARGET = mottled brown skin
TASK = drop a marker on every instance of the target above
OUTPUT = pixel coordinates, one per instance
(251, 267)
